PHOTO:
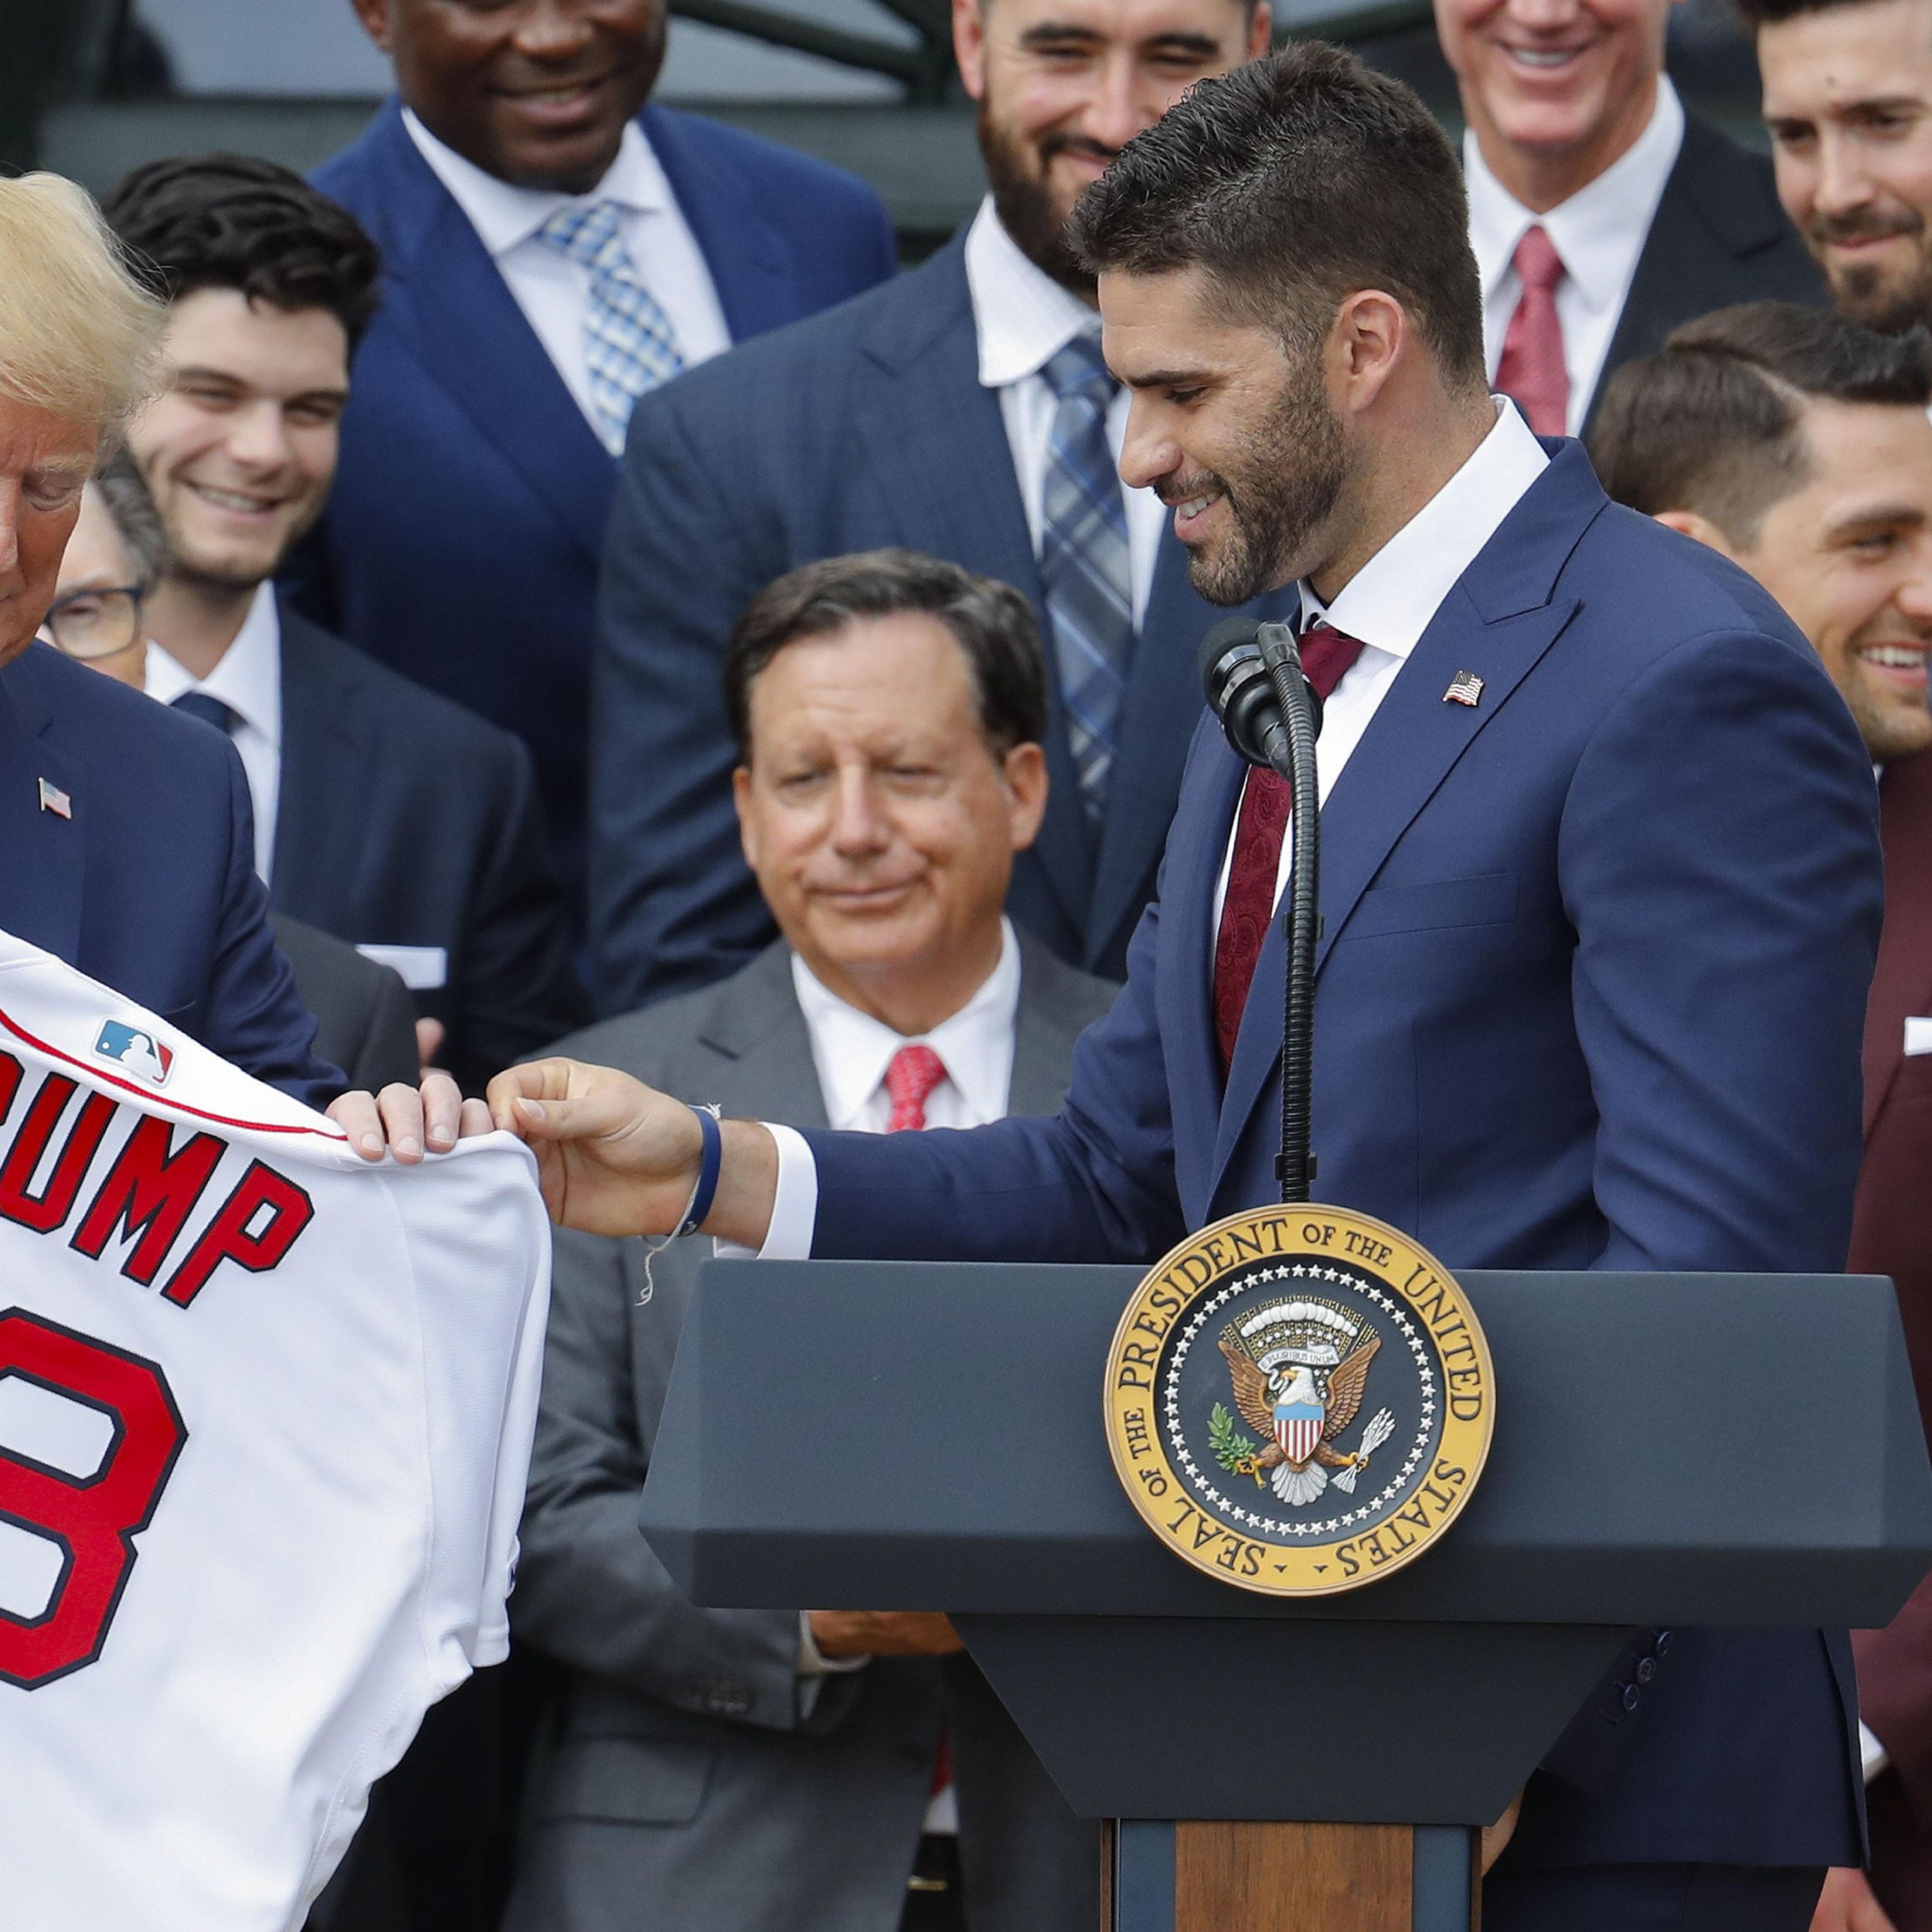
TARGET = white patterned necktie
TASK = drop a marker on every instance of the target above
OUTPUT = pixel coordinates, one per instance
(1083, 564)
(628, 342)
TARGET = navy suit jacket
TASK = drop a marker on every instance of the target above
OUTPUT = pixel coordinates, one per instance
(404, 820)
(150, 885)
(865, 427)
(461, 539)
(1590, 994)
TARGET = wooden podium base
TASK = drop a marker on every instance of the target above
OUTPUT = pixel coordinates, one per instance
(1159, 1874)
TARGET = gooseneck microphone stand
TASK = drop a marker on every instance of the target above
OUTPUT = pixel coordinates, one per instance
(1294, 1166)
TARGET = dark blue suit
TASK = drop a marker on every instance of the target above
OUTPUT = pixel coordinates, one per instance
(865, 427)
(460, 541)
(1590, 994)
(404, 820)
(149, 886)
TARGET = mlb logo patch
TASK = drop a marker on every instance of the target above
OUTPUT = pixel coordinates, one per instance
(135, 1052)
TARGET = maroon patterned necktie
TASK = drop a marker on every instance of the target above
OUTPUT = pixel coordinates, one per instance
(1532, 370)
(1259, 827)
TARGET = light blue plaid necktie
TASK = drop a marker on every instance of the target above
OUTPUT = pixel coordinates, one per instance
(1083, 564)
(628, 342)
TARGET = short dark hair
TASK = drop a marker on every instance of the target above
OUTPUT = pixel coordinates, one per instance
(234, 221)
(993, 622)
(1769, 13)
(1713, 422)
(1293, 182)
(124, 493)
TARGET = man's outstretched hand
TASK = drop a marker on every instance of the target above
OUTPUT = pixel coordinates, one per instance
(616, 1157)
(408, 1121)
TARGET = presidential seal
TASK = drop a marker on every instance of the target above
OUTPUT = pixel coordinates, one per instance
(1299, 1400)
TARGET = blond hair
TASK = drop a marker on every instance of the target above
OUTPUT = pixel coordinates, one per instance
(79, 335)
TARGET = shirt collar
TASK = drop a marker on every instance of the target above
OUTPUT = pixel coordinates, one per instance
(852, 1049)
(505, 216)
(1389, 601)
(1599, 231)
(1021, 316)
(249, 678)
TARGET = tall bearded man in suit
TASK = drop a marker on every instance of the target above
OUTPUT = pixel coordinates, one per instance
(889, 710)
(1796, 443)
(965, 411)
(1595, 958)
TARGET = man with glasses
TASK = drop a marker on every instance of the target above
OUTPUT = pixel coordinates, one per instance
(114, 558)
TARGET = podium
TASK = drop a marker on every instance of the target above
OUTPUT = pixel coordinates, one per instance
(888, 1436)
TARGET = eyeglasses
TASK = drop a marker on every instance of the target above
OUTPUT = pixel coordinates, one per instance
(95, 623)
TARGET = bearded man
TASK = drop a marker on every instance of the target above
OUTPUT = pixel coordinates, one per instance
(963, 410)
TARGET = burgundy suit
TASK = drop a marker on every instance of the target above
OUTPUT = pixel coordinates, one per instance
(1892, 1234)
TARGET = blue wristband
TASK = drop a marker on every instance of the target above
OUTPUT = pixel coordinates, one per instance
(708, 1168)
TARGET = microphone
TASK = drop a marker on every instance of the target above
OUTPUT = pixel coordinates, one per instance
(1241, 692)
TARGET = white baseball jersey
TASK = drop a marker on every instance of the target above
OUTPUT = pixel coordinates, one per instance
(265, 1420)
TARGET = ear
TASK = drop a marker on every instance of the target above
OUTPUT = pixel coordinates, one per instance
(1688, 523)
(1369, 338)
(747, 828)
(969, 45)
(1260, 31)
(374, 16)
(1024, 769)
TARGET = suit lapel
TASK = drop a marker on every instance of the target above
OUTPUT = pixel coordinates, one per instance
(472, 339)
(1902, 983)
(743, 251)
(765, 1048)
(1497, 622)
(326, 760)
(935, 439)
(43, 881)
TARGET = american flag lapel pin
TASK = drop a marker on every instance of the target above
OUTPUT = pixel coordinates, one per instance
(1464, 688)
(54, 800)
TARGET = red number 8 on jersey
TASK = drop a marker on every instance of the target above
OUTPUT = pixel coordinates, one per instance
(93, 1518)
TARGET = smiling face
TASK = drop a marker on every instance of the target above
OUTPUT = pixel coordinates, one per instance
(1555, 89)
(239, 448)
(1848, 99)
(45, 462)
(535, 92)
(879, 822)
(1063, 85)
(1849, 557)
(1235, 433)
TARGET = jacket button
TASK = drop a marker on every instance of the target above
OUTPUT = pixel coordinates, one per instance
(1646, 1670)
(1663, 1642)
(1631, 1695)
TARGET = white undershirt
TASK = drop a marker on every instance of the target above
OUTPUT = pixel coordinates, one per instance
(1023, 318)
(1388, 604)
(248, 679)
(553, 291)
(1599, 233)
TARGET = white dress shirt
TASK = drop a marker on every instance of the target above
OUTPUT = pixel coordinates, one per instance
(1388, 604)
(1599, 233)
(1023, 318)
(551, 290)
(248, 681)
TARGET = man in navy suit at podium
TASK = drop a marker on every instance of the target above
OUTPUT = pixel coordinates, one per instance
(1601, 885)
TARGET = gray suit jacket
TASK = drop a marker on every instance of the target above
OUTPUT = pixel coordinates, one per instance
(685, 1783)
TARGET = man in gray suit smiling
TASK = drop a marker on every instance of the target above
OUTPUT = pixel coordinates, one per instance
(771, 1771)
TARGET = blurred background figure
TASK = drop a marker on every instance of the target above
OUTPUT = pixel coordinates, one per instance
(964, 410)
(105, 804)
(555, 247)
(1848, 99)
(764, 1771)
(1601, 214)
(358, 827)
(365, 1019)
(1796, 443)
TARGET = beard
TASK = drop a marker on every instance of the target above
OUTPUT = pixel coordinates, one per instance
(1889, 304)
(1281, 485)
(1016, 174)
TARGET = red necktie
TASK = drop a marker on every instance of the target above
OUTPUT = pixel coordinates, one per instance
(912, 1073)
(1326, 656)
(1533, 369)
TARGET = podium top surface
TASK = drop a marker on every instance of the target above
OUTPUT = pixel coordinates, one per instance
(1691, 1449)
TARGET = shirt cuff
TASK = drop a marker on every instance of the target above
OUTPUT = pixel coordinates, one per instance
(1876, 1756)
(814, 1662)
(795, 1205)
